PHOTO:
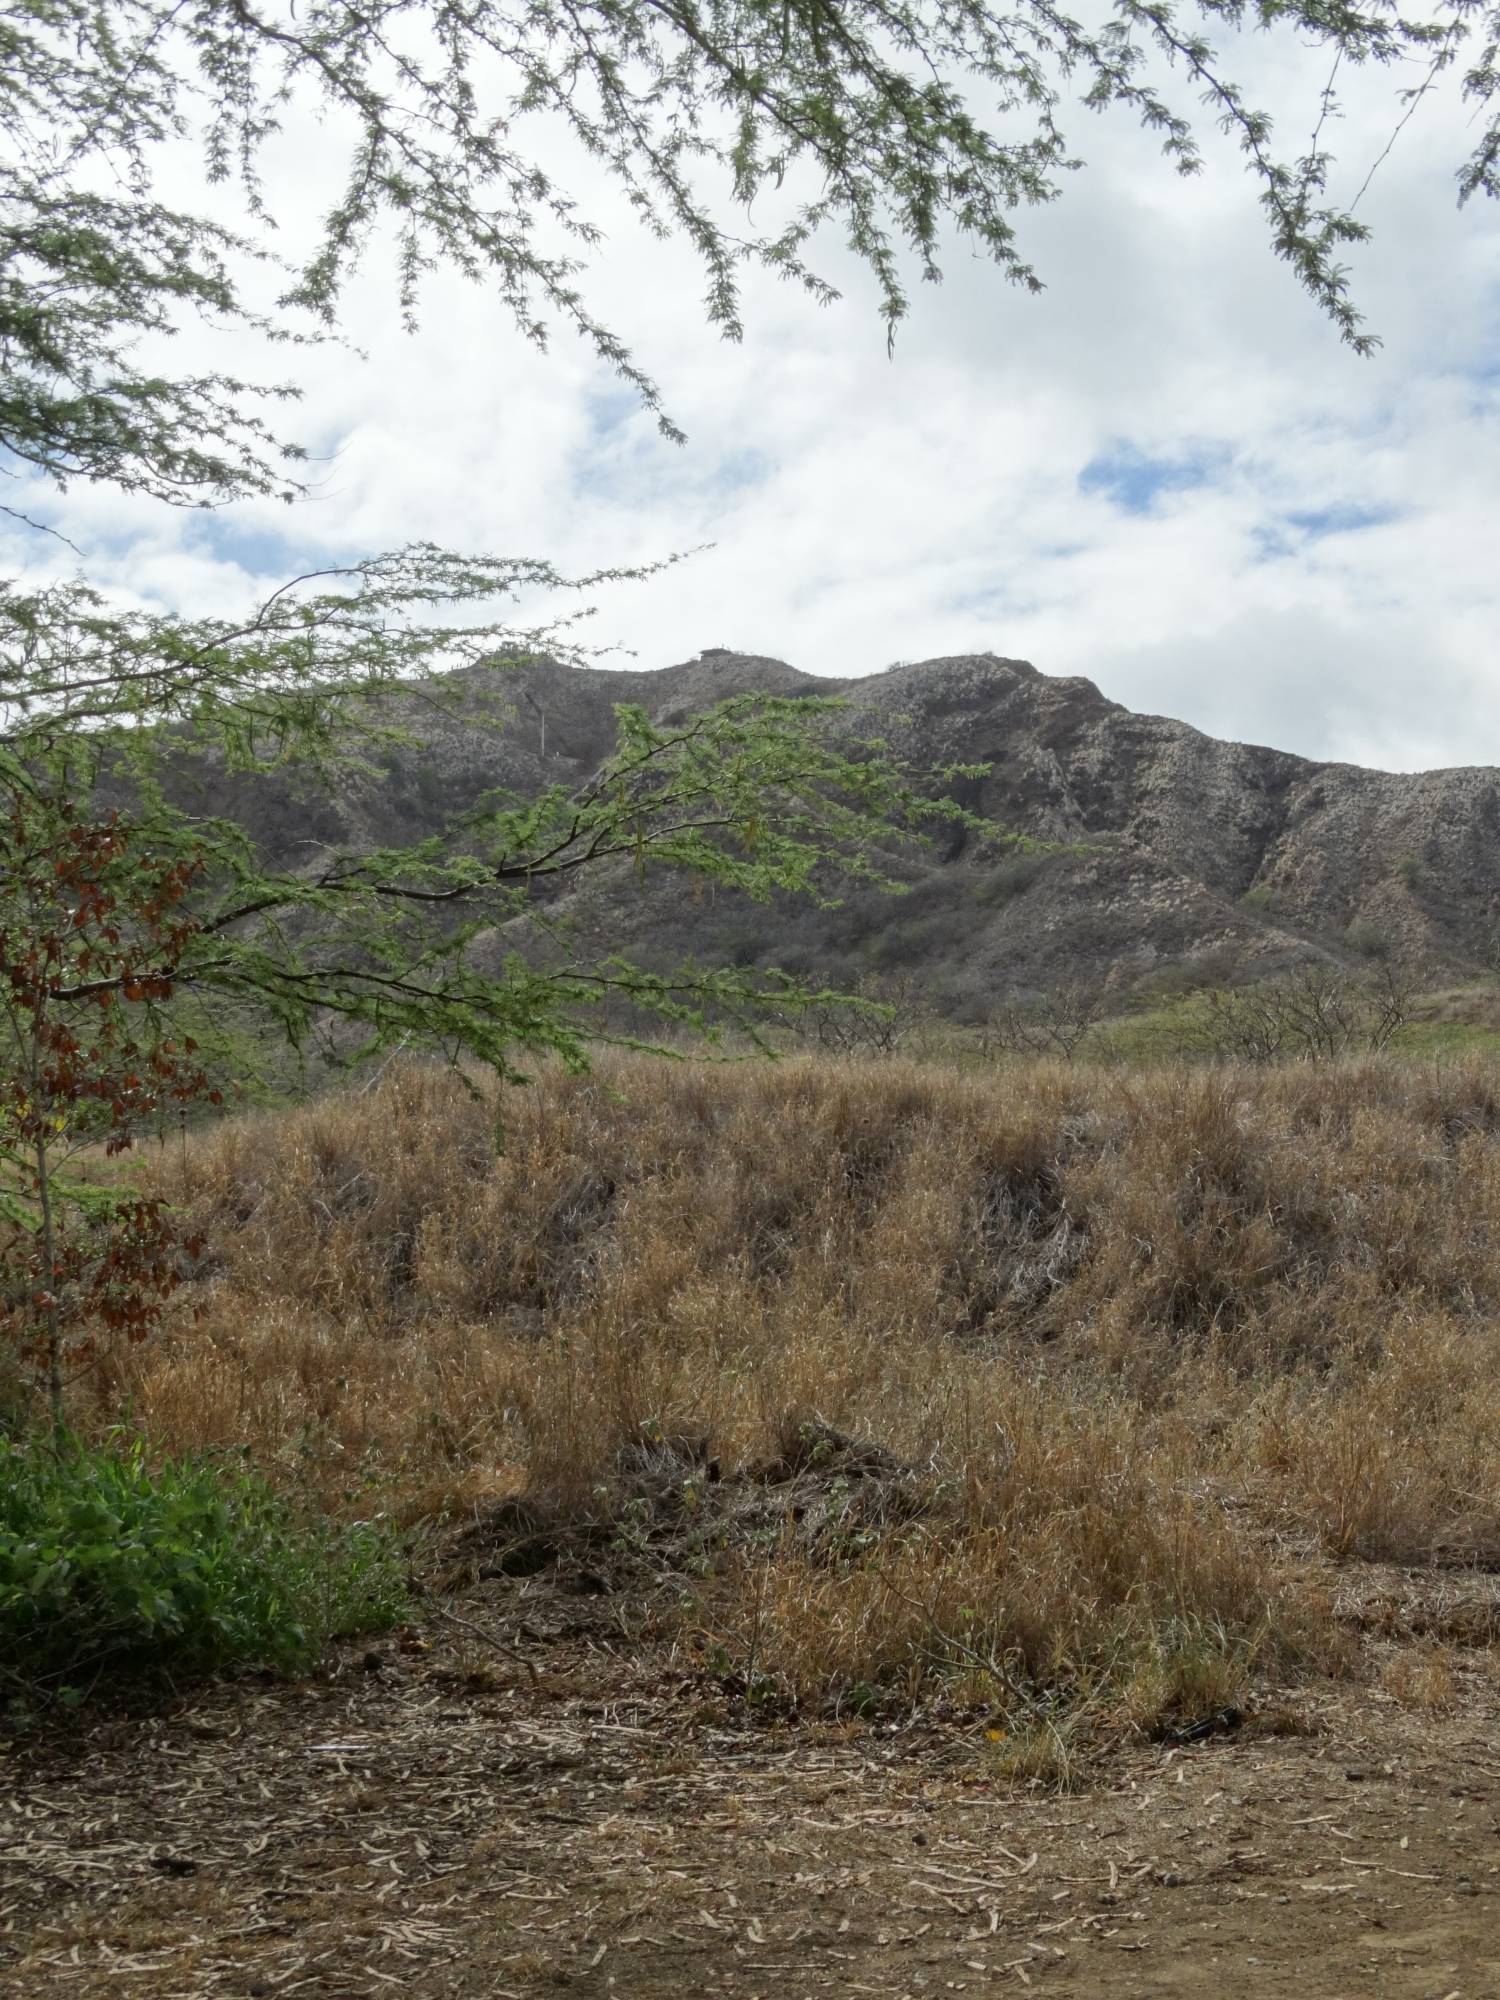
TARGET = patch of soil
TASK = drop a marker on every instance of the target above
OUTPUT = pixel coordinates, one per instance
(471, 1812)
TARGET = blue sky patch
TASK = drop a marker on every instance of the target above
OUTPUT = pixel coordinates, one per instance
(265, 552)
(1134, 480)
(610, 410)
(1315, 522)
(1289, 534)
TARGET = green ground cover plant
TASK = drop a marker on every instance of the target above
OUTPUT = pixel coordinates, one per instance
(112, 1563)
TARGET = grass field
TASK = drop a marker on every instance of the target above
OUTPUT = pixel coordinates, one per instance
(1122, 1348)
(876, 1526)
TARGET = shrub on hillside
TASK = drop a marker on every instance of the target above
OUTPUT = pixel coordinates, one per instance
(110, 1563)
(1368, 938)
(1314, 1013)
(1058, 1023)
(1011, 875)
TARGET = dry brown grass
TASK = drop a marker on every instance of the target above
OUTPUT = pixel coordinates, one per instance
(1422, 1678)
(1144, 1340)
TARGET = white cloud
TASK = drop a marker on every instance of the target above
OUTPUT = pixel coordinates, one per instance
(864, 509)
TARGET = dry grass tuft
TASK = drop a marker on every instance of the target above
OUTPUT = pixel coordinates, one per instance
(1422, 1679)
(1041, 1755)
(1122, 1344)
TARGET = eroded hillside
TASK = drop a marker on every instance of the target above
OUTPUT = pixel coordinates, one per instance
(1176, 849)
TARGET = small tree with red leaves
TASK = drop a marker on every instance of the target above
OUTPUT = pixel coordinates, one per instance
(93, 927)
(117, 929)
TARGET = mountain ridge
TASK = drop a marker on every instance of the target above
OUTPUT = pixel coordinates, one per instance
(1199, 854)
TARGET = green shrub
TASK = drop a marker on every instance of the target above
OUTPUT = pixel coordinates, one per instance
(112, 1564)
(1012, 875)
(1368, 939)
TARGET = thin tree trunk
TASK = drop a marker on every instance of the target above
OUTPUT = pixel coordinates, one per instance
(54, 1317)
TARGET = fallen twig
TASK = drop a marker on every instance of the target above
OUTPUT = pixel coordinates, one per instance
(489, 1639)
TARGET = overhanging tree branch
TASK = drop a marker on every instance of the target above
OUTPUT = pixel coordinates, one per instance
(895, 123)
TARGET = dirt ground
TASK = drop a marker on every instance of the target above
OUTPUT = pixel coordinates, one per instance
(426, 1816)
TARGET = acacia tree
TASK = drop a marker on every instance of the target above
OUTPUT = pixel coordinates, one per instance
(752, 128)
(757, 795)
(115, 919)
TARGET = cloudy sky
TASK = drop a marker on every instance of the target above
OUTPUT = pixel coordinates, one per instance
(1166, 473)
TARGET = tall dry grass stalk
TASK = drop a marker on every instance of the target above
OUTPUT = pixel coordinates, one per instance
(1142, 1336)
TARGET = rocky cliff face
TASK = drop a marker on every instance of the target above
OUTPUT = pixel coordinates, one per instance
(1195, 854)
(1204, 847)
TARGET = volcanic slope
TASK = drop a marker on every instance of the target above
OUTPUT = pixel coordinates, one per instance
(1173, 849)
